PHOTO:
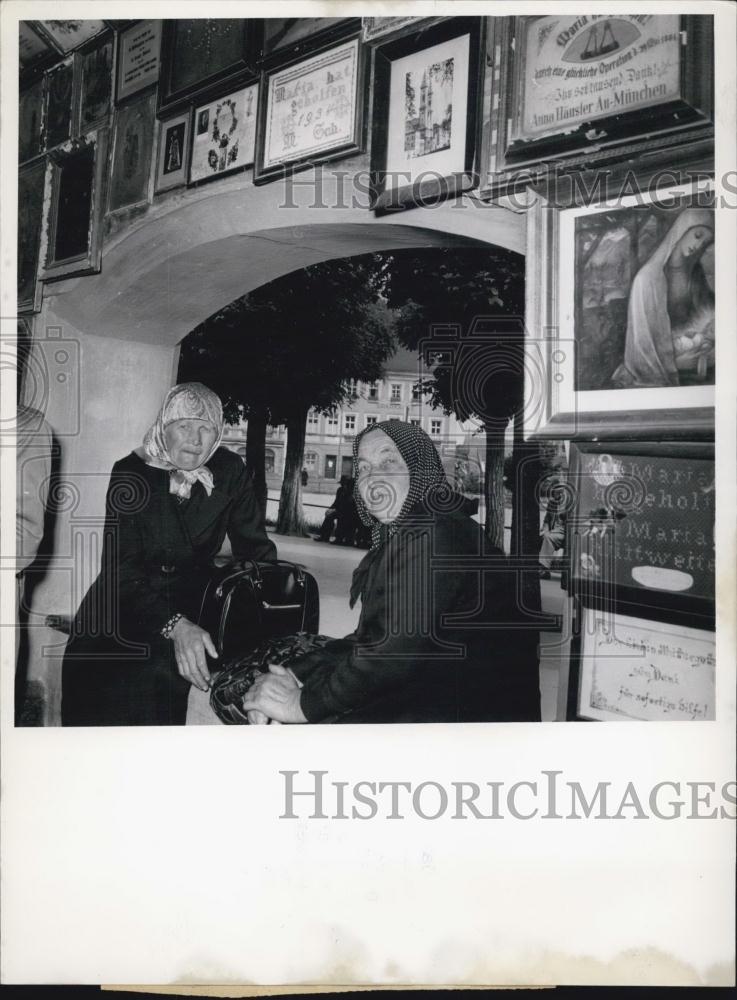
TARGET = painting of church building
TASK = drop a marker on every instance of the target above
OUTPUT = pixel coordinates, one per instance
(428, 109)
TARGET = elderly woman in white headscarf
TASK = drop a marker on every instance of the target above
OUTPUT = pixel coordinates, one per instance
(136, 648)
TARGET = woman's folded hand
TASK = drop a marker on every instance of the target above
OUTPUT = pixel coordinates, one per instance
(191, 646)
(276, 695)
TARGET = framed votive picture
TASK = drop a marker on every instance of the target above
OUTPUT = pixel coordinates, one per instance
(132, 150)
(633, 342)
(96, 85)
(579, 91)
(224, 134)
(75, 182)
(31, 181)
(59, 104)
(139, 53)
(425, 123)
(196, 53)
(70, 34)
(642, 532)
(171, 169)
(283, 33)
(30, 118)
(632, 669)
(312, 111)
(379, 27)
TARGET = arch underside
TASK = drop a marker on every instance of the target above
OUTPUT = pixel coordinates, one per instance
(163, 278)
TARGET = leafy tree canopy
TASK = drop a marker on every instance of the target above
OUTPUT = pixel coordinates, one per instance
(292, 344)
(480, 292)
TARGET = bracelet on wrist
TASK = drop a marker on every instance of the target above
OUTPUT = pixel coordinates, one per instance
(168, 628)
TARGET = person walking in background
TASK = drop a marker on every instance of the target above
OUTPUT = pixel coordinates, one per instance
(305, 477)
(331, 514)
(347, 515)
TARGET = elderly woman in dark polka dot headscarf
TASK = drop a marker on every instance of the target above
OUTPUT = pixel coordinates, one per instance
(436, 640)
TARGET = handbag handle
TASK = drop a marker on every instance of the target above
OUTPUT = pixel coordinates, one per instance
(251, 567)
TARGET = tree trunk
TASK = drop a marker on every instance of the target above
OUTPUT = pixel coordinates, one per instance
(291, 515)
(256, 456)
(494, 481)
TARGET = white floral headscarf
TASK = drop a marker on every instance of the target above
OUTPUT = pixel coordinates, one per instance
(189, 401)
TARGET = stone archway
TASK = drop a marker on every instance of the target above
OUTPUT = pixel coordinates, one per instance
(171, 271)
(161, 275)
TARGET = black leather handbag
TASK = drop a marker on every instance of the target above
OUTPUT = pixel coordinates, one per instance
(247, 602)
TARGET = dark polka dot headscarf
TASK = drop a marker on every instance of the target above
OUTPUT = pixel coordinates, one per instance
(427, 483)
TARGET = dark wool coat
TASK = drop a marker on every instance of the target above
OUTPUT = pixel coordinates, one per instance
(440, 637)
(157, 555)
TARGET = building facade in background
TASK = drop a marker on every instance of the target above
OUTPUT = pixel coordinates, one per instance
(329, 439)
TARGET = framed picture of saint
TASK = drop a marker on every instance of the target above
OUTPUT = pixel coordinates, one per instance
(633, 340)
(132, 151)
(173, 159)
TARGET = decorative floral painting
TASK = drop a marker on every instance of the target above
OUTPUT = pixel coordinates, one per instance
(224, 134)
(644, 297)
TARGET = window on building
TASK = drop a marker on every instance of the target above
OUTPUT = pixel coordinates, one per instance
(313, 421)
(396, 396)
(416, 392)
(310, 460)
(371, 420)
(352, 387)
(373, 390)
(270, 460)
(331, 424)
(436, 428)
(415, 421)
(349, 424)
(330, 464)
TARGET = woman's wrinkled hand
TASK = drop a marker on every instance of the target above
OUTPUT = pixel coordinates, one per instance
(276, 695)
(191, 646)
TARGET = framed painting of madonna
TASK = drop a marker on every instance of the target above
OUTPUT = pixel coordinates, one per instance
(625, 301)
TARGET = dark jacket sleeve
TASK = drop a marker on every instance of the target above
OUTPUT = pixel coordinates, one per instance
(125, 582)
(246, 528)
(390, 649)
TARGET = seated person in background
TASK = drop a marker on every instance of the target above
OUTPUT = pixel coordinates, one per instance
(415, 655)
(135, 648)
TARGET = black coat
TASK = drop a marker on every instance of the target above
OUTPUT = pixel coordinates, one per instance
(408, 661)
(157, 554)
